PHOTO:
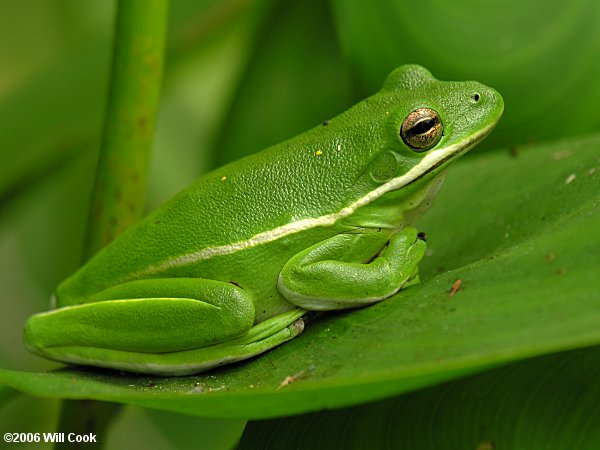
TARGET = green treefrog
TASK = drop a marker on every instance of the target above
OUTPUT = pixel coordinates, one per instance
(227, 269)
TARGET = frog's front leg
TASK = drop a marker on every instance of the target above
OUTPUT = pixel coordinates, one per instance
(162, 326)
(352, 269)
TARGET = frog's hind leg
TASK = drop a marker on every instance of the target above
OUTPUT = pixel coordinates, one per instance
(160, 326)
(262, 337)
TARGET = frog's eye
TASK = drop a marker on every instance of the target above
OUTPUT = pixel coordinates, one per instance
(422, 129)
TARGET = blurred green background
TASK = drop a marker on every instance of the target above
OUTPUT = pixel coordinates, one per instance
(240, 75)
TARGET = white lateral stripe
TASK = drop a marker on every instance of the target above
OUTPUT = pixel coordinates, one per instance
(430, 160)
(129, 301)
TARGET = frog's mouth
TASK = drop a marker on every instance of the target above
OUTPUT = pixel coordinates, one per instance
(440, 157)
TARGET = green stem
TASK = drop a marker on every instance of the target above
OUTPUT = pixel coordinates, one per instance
(120, 183)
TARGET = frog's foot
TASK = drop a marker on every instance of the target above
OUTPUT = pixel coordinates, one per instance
(352, 269)
(413, 279)
(173, 326)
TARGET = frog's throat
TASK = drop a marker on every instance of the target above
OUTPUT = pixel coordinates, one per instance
(430, 163)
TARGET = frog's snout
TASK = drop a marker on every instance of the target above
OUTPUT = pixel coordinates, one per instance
(487, 98)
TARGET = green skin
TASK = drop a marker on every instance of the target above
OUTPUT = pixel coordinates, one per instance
(226, 269)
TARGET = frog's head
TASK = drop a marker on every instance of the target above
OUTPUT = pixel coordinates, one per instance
(428, 123)
(420, 125)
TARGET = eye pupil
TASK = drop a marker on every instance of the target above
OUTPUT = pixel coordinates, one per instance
(422, 129)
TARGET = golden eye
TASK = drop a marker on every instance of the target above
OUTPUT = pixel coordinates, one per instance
(422, 129)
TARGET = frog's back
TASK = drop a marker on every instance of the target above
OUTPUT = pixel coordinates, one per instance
(305, 178)
(278, 186)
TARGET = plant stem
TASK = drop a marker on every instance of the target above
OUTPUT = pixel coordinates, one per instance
(120, 184)
(121, 172)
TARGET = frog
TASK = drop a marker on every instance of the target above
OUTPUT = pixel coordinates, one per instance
(231, 266)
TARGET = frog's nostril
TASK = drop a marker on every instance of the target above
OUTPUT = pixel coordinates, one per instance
(476, 97)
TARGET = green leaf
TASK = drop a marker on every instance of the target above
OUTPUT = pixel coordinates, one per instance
(42, 128)
(519, 229)
(295, 79)
(544, 403)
